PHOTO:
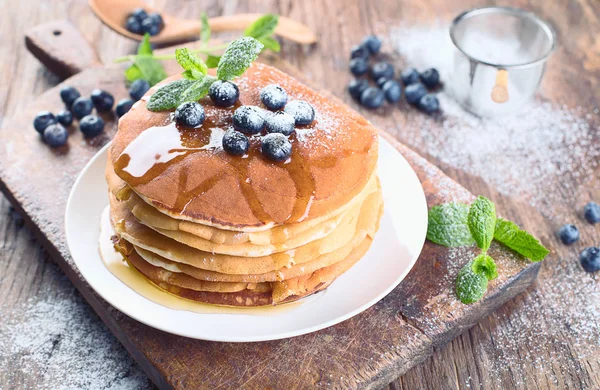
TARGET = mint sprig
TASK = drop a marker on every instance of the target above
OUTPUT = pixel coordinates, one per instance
(447, 225)
(509, 234)
(238, 57)
(470, 285)
(169, 96)
(482, 221)
(145, 66)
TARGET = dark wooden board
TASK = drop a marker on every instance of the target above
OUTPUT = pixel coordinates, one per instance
(367, 351)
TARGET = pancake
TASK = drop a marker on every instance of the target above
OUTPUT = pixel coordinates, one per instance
(186, 175)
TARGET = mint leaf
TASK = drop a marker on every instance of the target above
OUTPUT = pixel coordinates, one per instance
(192, 74)
(133, 73)
(470, 286)
(447, 225)
(238, 57)
(485, 265)
(262, 27)
(212, 61)
(188, 61)
(145, 66)
(509, 234)
(270, 43)
(145, 47)
(482, 221)
(197, 90)
(169, 96)
(205, 29)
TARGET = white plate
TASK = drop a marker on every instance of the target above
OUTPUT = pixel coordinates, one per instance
(391, 256)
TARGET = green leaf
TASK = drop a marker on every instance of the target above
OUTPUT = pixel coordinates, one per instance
(238, 57)
(447, 225)
(133, 73)
(145, 47)
(270, 43)
(188, 61)
(212, 61)
(485, 265)
(470, 286)
(482, 221)
(509, 234)
(169, 96)
(197, 90)
(192, 74)
(151, 69)
(205, 31)
(262, 27)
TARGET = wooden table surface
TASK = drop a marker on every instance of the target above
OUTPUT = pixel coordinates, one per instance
(548, 337)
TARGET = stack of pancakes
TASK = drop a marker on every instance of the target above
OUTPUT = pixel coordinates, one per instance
(244, 231)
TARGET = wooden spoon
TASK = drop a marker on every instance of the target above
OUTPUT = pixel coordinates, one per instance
(114, 13)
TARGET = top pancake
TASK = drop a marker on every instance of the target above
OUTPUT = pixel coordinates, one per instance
(186, 174)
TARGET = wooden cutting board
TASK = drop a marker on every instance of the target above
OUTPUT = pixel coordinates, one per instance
(366, 351)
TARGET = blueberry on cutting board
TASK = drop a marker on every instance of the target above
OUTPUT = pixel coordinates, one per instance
(568, 234)
(590, 259)
(42, 120)
(382, 69)
(372, 97)
(359, 66)
(356, 87)
(591, 212)
(91, 126)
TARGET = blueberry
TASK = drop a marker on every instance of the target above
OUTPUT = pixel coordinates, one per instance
(430, 77)
(372, 43)
(590, 259)
(429, 104)
(55, 135)
(156, 18)
(280, 122)
(276, 147)
(138, 88)
(409, 76)
(356, 87)
(249, 119)
(273, 97)
(382, 69)
(103, 101)
(302, 112)
(568, 234)
(359, 66)
(381, 81)
(42, 120)
(235, 143)
(91, 125)
(372, 97)
(140, 14)
(65, 118)
(68, 95)
(190, 114)
(359, 51)
(224, 93)
(81, 107)
(150, 27)
(414, 92)
(133, 25)
(123, 106)
(591, 212)
(392, 91)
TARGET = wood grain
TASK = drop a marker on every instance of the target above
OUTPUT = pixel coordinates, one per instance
(481, 357)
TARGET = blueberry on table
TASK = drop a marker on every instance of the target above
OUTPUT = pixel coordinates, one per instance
(140, 14)
(568, 234)
(382, 69)
(392, 91)
(276, 147)
(249, 119)
(372, 43)
(430, 77)
(280, 122)
(103, 101)
(359, 51)
(359, 66)
(123, 106)
(356, 87)
(138, 88)
(590, 259)
(42, 120)
(190, 114)
(382, 80)
(429, 104)
(235, 143)
(224, 93)
(414, 92)
(55, 135)
(133, 25)
(273, 97)
(409, 76)
(65, 118)
(303, 112)
(591, 212)
(91, 125)
(68, 95)
(372, 97)
(81, 107)
(150, 27)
